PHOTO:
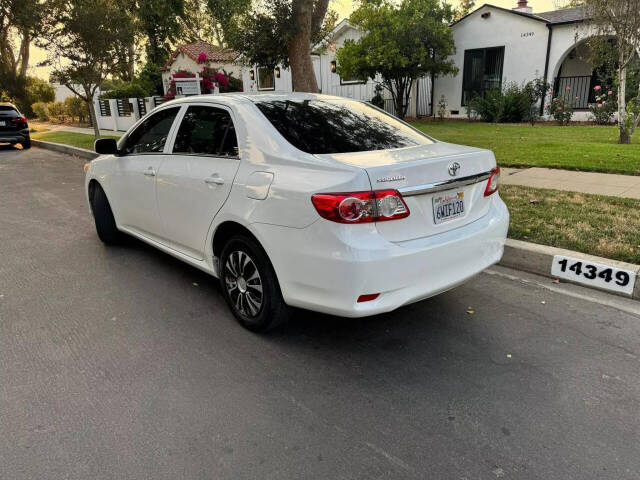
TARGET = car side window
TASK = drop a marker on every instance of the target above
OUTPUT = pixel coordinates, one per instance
(152, 133)
(206, 131)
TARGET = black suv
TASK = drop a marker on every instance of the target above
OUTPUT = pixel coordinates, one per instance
(13, 126)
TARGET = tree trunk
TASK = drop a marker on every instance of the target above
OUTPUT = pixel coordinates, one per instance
(623, 137)
(299, 48)
(131, 61)
(24, 52)
(94, 120)
(399, 99)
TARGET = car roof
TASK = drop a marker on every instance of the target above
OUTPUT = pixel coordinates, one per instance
(8, 104)
(240, 97)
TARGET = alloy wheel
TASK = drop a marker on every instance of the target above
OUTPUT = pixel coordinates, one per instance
(243, 283)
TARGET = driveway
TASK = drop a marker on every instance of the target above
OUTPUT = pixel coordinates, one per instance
(123, 363)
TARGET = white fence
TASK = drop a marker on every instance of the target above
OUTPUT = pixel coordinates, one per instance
(121, 114)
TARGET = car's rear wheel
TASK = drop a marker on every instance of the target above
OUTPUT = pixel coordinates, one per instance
(27, 143)
(103, 216)
(250, 285)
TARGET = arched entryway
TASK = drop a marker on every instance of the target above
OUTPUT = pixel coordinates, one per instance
(574, 76)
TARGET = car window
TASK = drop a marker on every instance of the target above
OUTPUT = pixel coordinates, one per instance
(7, 110)
(206, 131)
(338, 126)
(152, 133)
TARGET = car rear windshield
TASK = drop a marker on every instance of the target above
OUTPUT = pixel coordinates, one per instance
(338, 126)
(7, 108)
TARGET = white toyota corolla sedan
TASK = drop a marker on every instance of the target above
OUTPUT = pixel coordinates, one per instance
(301, 200)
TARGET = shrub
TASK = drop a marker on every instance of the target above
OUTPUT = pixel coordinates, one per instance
(489, 108)
(56, 110)
(41, 110)
(535, 91)
(132, 89)
(511, 104)
(604, 107)
(561, 109)
(76, 107)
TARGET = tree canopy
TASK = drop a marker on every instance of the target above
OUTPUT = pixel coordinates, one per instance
(283, 32)
(401, 42)
(87, 41)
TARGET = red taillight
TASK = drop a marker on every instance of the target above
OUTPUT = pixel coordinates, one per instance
(368, 297)
(361, 207)
(20, 121)
(493, 183)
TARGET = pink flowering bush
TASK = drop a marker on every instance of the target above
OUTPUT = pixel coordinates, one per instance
(202, 58)
(561, 109)
(209, 78)
(604, 107)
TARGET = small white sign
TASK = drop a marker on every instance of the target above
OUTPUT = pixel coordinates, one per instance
(187, 87)
(593, 274)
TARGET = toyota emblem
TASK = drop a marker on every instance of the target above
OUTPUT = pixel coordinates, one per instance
(453, 168)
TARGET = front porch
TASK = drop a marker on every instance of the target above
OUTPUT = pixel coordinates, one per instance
(577, 78)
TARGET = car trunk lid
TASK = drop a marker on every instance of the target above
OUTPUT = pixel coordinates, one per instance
(430, 178)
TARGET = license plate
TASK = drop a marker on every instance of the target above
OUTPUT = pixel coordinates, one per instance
(593, 274)
(448, 206)
(3, 123)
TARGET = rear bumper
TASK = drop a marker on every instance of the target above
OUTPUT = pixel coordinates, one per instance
(326, 266)
(14, 137)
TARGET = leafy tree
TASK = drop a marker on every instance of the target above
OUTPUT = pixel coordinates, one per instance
(401, 42)
(20, 20)
(86, 42)
(282, 32)
(36, 90)
(465, 8)
(620, 18)
(158, 21)
(212, 20)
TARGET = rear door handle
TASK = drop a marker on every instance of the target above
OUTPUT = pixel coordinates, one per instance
(214, 180)
(150, 172)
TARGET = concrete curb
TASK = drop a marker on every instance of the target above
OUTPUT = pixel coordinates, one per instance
(68, 149)
(534, 258)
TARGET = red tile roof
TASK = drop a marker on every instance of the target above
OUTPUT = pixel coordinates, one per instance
(214, 53)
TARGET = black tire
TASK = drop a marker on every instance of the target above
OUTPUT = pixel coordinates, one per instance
(103, 216)
(27, 143)
(243, 297)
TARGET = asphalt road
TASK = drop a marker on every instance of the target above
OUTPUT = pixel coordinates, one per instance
(123, 363)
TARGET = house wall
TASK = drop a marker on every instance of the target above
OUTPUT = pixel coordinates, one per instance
(63, 92)
(185, 62)
(328, 82)
(282, 84)
(525, 42)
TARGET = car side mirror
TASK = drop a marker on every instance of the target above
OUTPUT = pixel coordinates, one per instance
(106, 146)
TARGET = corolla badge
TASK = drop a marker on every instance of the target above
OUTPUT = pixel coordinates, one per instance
(453, 168)
(395, 178)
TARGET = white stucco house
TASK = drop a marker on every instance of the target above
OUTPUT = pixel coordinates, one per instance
(257, 78)
(185, 57)
(496, 45)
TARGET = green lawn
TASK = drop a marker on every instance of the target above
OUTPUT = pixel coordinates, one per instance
(592, 224)
(589, 148)
(69, 138)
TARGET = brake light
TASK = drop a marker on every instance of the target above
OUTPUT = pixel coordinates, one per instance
(493, 183)
(20, 120)
(367, 297)
(361, 207)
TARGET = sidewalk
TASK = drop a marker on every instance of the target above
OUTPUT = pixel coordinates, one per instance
(87, 130)
(585, 182)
